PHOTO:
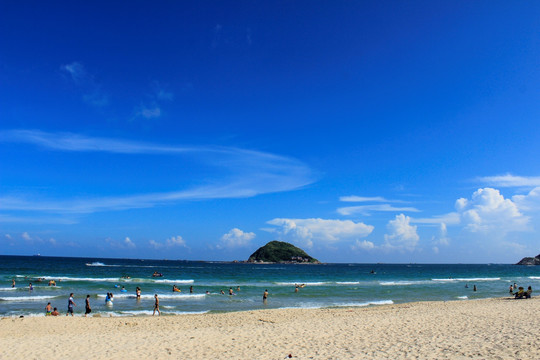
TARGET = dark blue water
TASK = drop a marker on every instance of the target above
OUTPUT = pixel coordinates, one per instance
(328, 285)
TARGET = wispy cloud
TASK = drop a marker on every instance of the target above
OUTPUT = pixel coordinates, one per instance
(354, 198)
(509, 180)
(248, 173)
(367, 209)
(92, 92)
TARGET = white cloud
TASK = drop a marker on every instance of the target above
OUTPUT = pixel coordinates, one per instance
(402, 234)
(325, 231)
(489, 212)
(238, 173)
(235, 238)
(125, 244)
(26, 236)
(128, 243)
(366, 209)
(529, 202)
(363, 245)
(174, 241)
(8, 236)
(510, 180)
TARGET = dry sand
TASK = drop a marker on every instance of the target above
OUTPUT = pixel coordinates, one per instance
(477, 329)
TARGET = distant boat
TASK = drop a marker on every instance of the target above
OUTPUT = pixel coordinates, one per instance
(37, 254)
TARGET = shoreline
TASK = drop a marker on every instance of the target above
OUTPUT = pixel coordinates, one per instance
(483, 328)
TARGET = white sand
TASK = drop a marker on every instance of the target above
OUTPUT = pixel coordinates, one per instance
(477, 329)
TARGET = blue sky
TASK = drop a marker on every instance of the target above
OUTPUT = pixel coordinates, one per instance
(360, 131)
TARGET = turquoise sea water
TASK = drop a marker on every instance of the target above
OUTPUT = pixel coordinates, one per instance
(328, 285)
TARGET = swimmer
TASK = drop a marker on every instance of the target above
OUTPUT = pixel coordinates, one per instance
(55, 312)
(48, 309)
(138, 293)
(230, 291)
(12, 283)
(156, 306)
(265, 295)
(30, 287)
(238, 288)
(123, 289)
(191, 289)
(207, 292)
(221, 292)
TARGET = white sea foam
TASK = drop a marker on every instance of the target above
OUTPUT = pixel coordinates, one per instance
(178, 296)
(68, 278)
(362, 304)
(348, 282)
(404, 282)
(28, 298)
(534, 277)
(97, 263)
(173, 281)
(8, 289)
(467, 279)
(149, 313)
(463, 297)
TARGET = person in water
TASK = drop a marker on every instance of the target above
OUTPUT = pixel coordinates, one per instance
(30, 287)
(138, 293)
(48, 309)
(88, 308)
(12, 283)
(191, 289)
(265, 295)
(156, 306)
(71, 304)
(230, 291)
(55, 312)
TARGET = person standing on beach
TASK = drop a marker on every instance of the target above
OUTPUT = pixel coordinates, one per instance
(156, 306)
(88, 309)
(71, 304)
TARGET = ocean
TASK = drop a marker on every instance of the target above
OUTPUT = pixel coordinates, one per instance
(325, 285)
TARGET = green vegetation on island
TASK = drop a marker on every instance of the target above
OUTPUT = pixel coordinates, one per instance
(281, 252)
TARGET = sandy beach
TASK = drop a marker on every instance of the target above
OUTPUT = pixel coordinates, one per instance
(499, 328)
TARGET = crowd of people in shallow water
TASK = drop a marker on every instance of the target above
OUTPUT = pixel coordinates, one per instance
(515, 291)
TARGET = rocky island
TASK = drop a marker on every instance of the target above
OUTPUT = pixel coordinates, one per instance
(530, 260)
(281, 252)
